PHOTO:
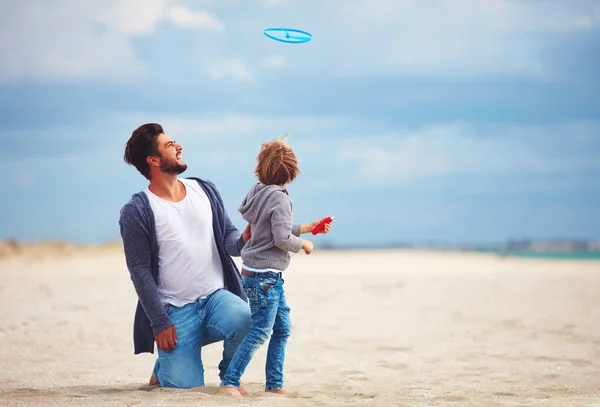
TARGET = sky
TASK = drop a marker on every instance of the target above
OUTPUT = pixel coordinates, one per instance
(454, 121)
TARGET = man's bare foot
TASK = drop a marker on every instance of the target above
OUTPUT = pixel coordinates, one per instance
(230, 391)
(153, 381)
(280, 391)
(242, 390)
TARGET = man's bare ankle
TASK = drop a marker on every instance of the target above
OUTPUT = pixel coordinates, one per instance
(153, 381)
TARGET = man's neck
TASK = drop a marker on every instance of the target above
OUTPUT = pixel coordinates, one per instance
(167, 187)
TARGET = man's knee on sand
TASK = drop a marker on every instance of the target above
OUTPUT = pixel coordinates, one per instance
(185, 373)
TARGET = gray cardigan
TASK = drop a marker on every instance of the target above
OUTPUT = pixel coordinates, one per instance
(141, 255)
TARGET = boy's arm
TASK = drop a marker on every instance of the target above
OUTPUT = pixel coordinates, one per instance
(298, 229)
(281, 224)
(136, 245)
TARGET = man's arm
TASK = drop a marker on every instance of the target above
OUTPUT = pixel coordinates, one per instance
(136, 245)
(233, 240)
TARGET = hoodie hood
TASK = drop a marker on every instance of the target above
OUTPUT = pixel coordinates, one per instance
(254, 202)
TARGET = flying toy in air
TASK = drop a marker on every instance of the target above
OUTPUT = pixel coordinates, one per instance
(283, 35)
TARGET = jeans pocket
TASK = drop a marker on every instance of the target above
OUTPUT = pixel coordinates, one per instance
(252, 294)
(268, 283)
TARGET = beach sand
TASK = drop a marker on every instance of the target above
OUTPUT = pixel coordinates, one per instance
(376, 328)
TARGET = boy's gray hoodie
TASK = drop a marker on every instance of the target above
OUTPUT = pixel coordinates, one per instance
(268, 210)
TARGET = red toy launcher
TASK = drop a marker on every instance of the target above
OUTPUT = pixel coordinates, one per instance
(321, 226)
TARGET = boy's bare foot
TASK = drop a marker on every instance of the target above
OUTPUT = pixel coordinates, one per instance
(280, 391)
(242, 390)
(230, 391)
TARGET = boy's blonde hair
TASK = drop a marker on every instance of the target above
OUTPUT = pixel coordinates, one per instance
(276, 163)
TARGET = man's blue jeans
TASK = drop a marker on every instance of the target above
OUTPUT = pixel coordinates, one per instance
(222, 315)
(270, 315)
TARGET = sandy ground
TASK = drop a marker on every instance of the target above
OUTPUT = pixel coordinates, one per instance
(378, 328)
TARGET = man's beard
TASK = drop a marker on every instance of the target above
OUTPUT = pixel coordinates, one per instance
(172, 167)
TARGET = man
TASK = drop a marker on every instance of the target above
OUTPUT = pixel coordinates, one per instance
(178, 240)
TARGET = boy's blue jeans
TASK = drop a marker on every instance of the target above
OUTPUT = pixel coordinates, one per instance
(222, 315)
(270, 316)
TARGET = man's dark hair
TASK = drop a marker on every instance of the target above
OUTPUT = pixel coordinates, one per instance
(142, 144)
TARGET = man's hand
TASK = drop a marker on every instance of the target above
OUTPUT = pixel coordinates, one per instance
(246, 234)
(167, 339)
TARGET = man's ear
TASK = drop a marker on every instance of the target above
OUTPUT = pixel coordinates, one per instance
(152, 160)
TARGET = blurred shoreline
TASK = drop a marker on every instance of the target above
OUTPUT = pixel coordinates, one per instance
(580, 250)
(53, 249)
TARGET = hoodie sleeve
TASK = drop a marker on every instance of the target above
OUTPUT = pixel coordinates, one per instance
(137, 257)
(282, 224)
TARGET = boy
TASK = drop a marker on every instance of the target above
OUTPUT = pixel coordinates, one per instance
(268, 210)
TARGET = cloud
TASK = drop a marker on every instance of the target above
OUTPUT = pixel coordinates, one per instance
(215, 128)
(229, 68)
(467, 150)
(471, 39)
(445, 39)
(83, 40)
(274, 61)
(123, 17)
(221, 130)
(184, 17)
(359, 151)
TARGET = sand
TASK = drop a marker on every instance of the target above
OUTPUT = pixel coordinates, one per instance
(376, 328)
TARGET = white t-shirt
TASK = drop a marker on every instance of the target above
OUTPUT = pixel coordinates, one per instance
(189, 266)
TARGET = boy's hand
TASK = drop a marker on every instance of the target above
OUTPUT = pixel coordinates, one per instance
(307, 246)
(246, 234)
(308, 227)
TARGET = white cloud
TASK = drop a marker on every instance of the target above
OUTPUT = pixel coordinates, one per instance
(124, 17)
(305, 130)
(229, 68)
(74, 40)
(464, 150)
(184, 17)
(352, 38)
(274, 61)
(446, 38)
(214, 128)
(345, 151)
(367, 150)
